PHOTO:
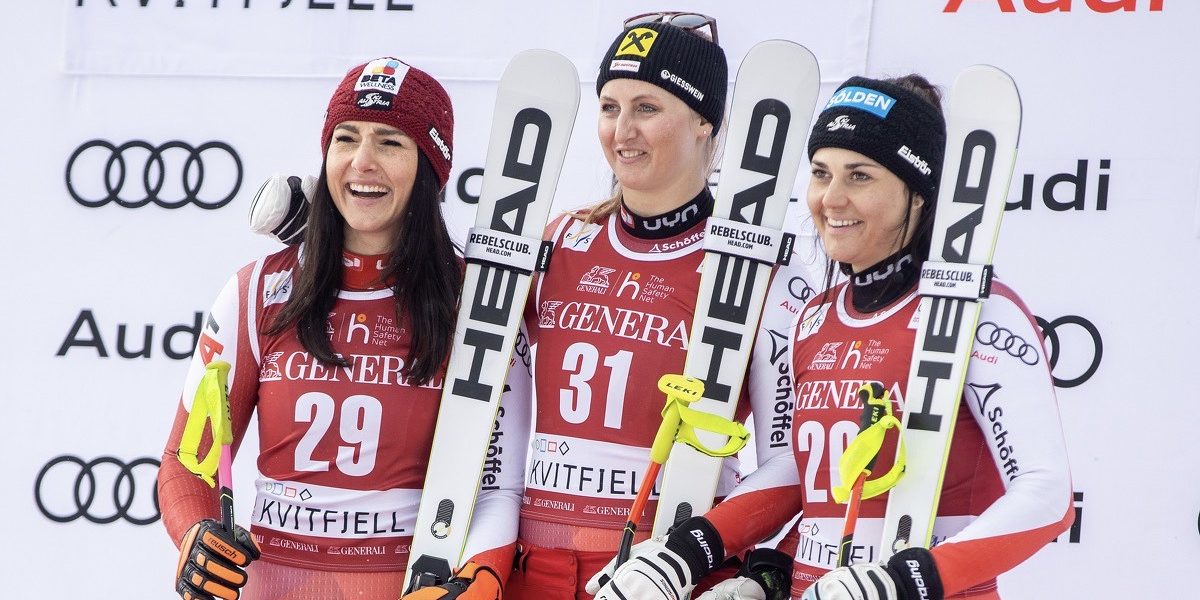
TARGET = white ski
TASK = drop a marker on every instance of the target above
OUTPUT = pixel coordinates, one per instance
(983, 124)
(773, 99)
(536, 103)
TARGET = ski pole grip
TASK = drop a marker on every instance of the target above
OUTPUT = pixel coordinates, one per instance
(209, 412)
(680, 390)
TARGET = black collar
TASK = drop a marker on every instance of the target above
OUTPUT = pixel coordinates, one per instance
(884, 282)
(671, 223)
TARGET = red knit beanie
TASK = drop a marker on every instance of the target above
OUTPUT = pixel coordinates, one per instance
(388, 91)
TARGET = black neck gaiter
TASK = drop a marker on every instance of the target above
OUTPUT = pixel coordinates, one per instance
(884, 282)
(671, 223)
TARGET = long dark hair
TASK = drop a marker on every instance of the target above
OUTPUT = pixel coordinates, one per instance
(923, 230)
(423, 266)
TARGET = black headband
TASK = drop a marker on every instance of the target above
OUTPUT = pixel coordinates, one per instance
(688, 66)
(888, 124)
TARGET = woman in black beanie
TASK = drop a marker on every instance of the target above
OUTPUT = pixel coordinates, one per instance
(613, 314)
(876, 153)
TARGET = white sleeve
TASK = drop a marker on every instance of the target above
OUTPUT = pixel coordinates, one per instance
(498, 506)
(1010, 393)
(769, 379)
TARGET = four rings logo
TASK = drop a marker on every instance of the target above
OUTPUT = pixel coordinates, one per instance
(171, 175)
(1000, 338)
(101, 490)
(1085, 346)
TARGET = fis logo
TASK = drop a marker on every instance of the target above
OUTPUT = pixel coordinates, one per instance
(637, 42)
(580, 236)
(277, 288)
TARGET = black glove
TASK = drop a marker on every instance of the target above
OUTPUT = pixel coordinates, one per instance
(663, 568)
(772, 570)
(212, 561)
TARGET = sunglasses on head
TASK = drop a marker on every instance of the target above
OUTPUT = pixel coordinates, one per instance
(693, 22)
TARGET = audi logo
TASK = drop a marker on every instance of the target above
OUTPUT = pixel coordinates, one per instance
(69, 488)
(1000, 338)
(800, 290)
(170, 175)
(1086, 349)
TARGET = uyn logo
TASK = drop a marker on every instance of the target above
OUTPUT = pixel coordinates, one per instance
(1049, 6)
(1067, 191)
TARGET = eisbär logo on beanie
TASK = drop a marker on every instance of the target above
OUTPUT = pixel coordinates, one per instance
(379, 83)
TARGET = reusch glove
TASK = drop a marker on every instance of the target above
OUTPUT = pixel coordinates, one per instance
(663, 568)
(909, 574)
(472, 582)
(280, 207)
(212, 561)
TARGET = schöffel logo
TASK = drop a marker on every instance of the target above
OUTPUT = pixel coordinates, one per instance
(310, 4)
(172, 174)
(874, 102)
(102, 490)
(1042, 7)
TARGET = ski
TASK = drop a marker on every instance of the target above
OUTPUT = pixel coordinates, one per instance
(536, 102)
(983, 125)
(773, 99)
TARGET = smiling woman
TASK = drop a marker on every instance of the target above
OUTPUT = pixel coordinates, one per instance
(370, 169)
(340, 345)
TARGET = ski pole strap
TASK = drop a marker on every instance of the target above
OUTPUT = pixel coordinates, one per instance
(762, 244)
(861, 452)
(506, 250)
(955, 280)
(691, 420)
(680, 391)
(210, 407)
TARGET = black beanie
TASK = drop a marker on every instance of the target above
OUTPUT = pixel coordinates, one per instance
(688, 66)
(889, 124)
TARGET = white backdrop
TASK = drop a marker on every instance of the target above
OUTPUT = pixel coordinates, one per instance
(1102, 241)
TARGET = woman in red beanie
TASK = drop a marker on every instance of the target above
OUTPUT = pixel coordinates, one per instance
(340, 344)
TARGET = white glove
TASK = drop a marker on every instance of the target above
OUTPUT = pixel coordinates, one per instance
(663, 568)
(737, 588)
(280, 207)
(909, 575)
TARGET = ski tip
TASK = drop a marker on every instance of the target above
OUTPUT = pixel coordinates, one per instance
(547, 65)
(989, 93)
(800, 61)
